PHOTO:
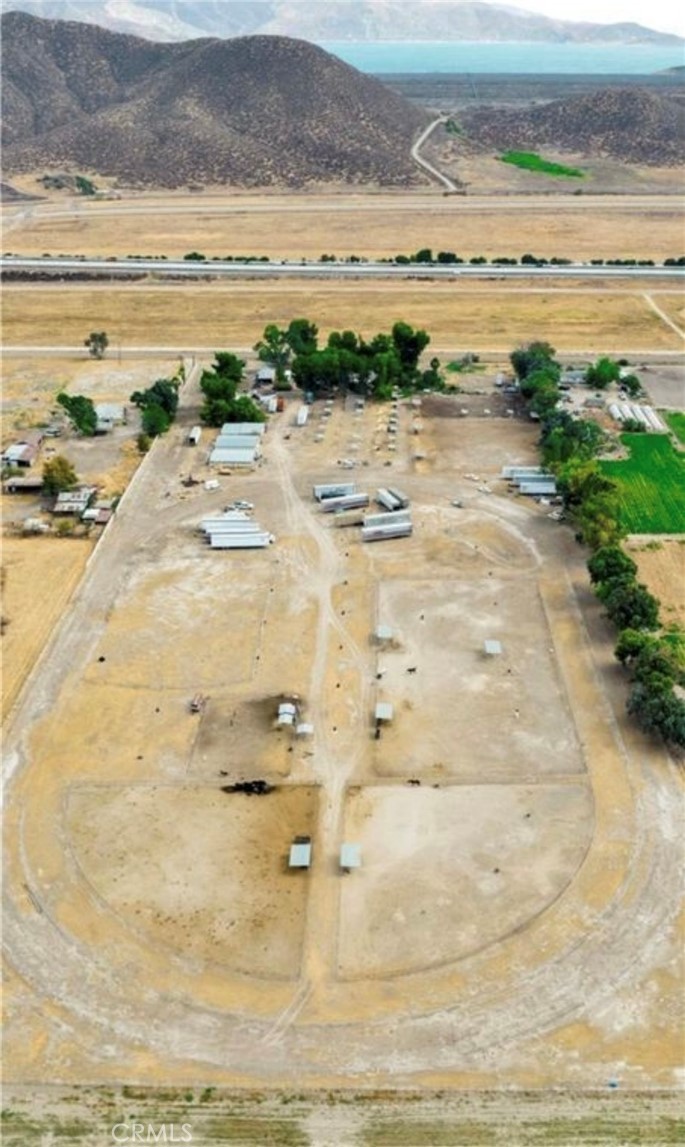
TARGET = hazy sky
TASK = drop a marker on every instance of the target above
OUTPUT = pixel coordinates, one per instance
(663, 15)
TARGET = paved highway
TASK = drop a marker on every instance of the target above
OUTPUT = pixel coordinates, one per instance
(284, 269)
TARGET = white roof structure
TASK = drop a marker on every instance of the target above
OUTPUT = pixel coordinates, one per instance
(350, 856)
(300, 855)
(238, 442)
(251, 428)
(229, 541)
(383, 711)
(110, 412)
(492, 648)
(287, 707)
(384, 633)
(304, 730)
(232, 457)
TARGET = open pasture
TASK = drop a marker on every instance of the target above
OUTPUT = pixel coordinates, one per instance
(604, 317)
(29, 611)
(651, 483)
(450, 870)
(363, 224)
(449, 695)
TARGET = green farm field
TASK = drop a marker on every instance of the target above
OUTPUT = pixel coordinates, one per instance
(676, 421)
(652, 485)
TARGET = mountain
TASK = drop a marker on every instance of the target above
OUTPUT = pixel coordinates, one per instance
(633, 125)
(329, 20)
(251, 111)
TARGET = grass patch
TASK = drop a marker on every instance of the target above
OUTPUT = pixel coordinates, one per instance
(677, 425)
(531, 161)
(651, 485)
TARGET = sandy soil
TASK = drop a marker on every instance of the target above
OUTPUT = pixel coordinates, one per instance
(600, 317)
(563, 970)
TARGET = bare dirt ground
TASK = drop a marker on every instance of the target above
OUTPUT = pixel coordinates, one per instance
(425, 969)
(605, 317)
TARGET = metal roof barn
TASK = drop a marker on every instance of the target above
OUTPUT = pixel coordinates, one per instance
(334, 490)
(387, 519)
(239, 541)
(383, 533)
(233, 457)
(300, 855)
(346, 502)
(238, 442)
(535, 488)
(251, 428)
(387, 500)
(514, 472)
(350, 856)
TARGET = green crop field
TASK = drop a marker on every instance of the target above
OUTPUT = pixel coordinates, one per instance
(677, 425)
(530, 161)
(651, 483)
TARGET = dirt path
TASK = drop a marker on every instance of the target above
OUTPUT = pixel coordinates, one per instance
(425, 164)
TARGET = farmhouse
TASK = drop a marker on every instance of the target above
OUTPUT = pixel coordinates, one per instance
(22, 453)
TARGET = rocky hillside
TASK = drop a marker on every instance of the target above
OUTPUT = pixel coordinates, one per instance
(634, 125)
(252, 111)
(321, 20)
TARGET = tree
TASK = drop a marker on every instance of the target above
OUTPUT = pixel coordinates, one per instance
(81, 411)
(302, 336)
(631, 606)
(602, 373)
(611, 563)
(228, 365)
(632, 385)
(163, 392)
(220, 386)
(155, 420)
(274, 348)
(630, 644)
(97, 343)
(409, 344)
(536, 356)
(658, 710)
(58, 475)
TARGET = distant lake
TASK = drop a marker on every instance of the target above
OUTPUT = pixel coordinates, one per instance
(592, 59)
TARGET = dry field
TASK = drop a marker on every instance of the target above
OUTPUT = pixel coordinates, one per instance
(603, 317)
(153, 933)
(661, 566)
(370, 225)
(40, 575)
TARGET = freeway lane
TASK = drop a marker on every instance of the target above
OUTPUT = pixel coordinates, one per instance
(283, 269)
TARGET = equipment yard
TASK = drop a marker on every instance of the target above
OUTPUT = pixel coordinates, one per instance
(514, 919)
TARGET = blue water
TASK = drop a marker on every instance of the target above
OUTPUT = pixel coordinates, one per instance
(592, 59)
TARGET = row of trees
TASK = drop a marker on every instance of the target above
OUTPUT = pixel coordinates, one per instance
(219, 386)
(348, 362)
(158, 405)
(654, 656)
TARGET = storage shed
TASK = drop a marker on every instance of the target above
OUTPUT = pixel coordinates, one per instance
(383, 711)
(300, 853)
(492, 648)
(350, 857)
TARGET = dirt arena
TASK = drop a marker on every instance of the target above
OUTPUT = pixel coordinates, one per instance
(503, 928)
